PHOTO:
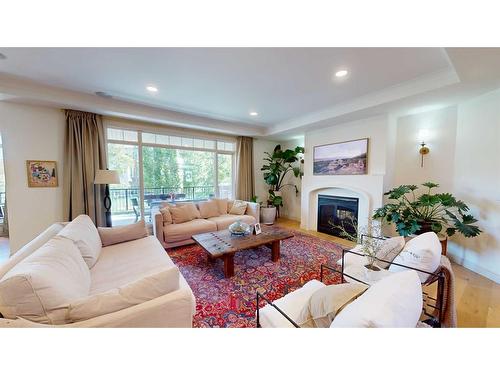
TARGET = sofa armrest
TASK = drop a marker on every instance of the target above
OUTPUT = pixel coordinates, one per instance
(157, 219)
(253, 209)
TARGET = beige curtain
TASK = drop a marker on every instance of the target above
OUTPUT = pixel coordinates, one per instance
(244, 168)
(85, 152)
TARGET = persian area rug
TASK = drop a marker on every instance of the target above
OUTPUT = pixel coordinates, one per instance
(231, 302)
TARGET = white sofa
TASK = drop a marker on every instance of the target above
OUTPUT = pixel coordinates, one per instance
(115, 267)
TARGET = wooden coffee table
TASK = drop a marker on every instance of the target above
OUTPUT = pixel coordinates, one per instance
(224, 245)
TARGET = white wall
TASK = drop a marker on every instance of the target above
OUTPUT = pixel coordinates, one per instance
(291, 200)
(367, 187)
(477, 182)
(259, 147)
(31, 133)
(441, 126)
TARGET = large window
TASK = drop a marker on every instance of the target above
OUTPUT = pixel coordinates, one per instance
(155, 168)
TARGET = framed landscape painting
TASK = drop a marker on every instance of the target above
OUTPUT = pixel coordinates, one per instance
(345, 158)
(41, 173)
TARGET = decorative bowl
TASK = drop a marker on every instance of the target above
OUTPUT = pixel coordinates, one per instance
(239, 228)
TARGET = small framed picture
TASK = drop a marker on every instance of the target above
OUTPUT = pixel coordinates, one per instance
(41, 173)
(257, 228)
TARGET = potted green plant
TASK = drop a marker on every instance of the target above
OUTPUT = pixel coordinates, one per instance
(414, 213)
(278, 165)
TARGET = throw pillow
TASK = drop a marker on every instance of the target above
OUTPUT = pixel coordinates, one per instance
(393, 302)
(165, 213)
(326, 303)
(183, 213)
(84, 234)
(389, 250)
(41, 286)
(193, 210)
(208, 209)
(422, 252)
(134, 293)
(221, 205)
(124, 233)
(238, 208)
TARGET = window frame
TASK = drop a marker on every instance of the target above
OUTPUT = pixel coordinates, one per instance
(140, 144)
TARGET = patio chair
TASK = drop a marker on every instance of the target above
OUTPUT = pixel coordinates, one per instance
(136, 208)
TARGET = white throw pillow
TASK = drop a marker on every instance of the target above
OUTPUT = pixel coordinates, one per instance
(390, 249)
(40, 287)
(134, 293)
(393, 302)
(422, 252)
(238, 208)
(122, 233)
(84, 234)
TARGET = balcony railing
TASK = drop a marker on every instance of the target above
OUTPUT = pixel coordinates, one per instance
(125, 200)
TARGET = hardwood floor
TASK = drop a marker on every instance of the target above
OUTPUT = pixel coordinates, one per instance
(477, 298)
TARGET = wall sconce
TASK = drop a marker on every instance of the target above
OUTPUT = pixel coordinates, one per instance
(423, 134)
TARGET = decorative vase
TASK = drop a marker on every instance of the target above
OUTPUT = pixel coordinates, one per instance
(238, 228)
(267, 215)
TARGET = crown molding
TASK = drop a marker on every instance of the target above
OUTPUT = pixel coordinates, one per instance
(20, 90)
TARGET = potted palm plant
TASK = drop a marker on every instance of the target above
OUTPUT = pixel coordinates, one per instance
(414, 213)
(278, 165)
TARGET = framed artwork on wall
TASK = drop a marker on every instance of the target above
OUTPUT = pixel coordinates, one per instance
(42, 173)
(344, 158)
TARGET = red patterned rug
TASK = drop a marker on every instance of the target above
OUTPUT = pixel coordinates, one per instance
(230, 302)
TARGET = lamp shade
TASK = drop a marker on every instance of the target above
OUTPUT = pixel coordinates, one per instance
(104, 176)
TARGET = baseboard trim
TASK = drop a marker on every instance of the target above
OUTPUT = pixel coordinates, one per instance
(474, 267)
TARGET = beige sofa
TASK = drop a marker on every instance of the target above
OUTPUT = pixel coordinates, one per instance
(116, 267)
(173, 235)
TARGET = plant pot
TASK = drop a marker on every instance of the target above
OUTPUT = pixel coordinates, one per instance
(425, 227)
(267, 215)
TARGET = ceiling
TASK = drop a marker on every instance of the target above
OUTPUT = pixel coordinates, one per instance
(288, 87)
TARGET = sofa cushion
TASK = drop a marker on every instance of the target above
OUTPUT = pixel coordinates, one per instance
(40, 287)
(31, 247)
(422, 252)
(292, 304)
(184, 231)
(326, 303)
(123, 233)
(221, 205)
(393, 302)
(224, 221)
(142, 290)
(208, 209)
(127, 262)
(184, 212)
(238, 208)
(167, 217)
(84, 234)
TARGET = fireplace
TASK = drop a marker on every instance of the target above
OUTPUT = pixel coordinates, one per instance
(335, 212)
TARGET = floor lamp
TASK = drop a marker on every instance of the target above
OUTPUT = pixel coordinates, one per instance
(107, 177)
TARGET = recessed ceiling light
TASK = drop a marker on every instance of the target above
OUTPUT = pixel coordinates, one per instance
(341, 73)
(253, 113)
(152, 88)
(103, 94)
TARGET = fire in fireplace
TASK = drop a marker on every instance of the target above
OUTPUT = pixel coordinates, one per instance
(334, 212)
